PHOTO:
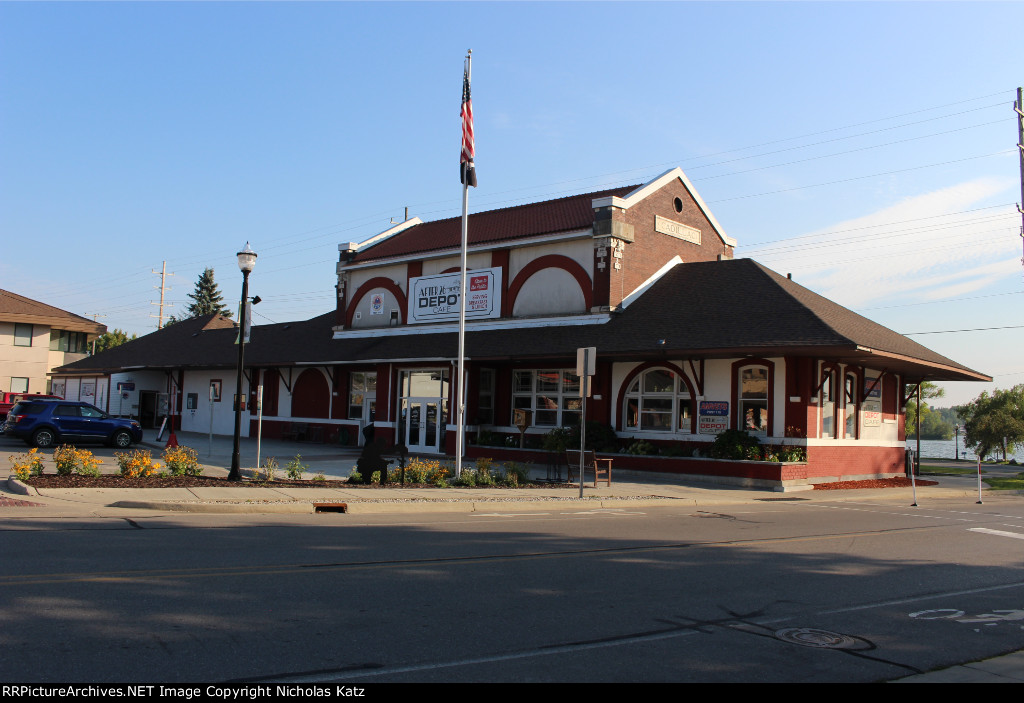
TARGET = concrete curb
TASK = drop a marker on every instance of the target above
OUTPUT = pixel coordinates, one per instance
(400, 506)
(16, 486)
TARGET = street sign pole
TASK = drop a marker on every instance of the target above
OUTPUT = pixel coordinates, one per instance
(586, 365)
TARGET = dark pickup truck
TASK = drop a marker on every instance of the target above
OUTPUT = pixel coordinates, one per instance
(8, 399)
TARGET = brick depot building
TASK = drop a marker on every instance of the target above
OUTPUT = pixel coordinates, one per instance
(689, 341)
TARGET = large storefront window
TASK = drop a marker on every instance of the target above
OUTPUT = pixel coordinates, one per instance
(754, 399)
(828, 403)
(362, 396)
(485, 406)
(657, 401)
(553, 396)
(850, 391)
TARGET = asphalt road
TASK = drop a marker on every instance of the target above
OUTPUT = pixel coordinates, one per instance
(788, 590)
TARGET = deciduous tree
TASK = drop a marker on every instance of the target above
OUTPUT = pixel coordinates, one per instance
(109, 340)
(928, 391)
(994, 421)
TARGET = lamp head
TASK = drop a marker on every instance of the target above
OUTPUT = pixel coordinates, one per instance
(246, 259)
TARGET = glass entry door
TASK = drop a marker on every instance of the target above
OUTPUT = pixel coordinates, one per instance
(423, 424)
(423, 410)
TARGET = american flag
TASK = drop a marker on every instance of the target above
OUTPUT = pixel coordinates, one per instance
(467, 172)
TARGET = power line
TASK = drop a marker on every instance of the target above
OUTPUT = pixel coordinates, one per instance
(974, 329)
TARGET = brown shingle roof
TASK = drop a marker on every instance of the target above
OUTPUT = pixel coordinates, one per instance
(574, 212)
(714, 309)
(18, 308)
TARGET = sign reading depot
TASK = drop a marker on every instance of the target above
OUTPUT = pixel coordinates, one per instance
(436, 298)
(713, 416)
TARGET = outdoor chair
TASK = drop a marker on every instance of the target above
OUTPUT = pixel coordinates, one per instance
(601, 467)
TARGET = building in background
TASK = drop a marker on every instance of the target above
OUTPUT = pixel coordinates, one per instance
(36, 338)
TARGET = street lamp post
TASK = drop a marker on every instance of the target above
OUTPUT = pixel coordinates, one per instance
(246, 262)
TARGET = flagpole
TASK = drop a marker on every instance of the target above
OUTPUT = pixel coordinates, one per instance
(460, 403)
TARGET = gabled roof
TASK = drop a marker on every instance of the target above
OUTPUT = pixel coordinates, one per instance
(572, 213)
(18, 308)
(714, 309)
(657, 184)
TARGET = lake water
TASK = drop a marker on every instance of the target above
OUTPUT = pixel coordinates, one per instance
(944, 449)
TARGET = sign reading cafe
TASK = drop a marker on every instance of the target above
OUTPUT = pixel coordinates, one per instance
(436, 298)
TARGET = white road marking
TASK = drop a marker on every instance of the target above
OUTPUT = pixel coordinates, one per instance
(999, 533)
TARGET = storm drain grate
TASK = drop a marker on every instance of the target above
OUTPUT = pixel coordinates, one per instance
(330, 507)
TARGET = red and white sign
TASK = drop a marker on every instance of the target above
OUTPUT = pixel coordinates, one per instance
(436, 298)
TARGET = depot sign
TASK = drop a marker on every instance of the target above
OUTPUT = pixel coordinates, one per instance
(437, 299)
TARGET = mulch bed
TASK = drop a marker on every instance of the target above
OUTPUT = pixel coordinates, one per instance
(901, 482)
(118, 481)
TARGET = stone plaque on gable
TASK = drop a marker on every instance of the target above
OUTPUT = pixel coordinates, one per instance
(676, 229)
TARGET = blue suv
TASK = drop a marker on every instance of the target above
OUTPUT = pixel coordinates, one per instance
(44, 423)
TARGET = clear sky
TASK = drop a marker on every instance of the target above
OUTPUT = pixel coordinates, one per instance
(867, 148)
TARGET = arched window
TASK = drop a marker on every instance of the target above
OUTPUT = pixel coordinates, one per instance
(753, 401)
(658, 400)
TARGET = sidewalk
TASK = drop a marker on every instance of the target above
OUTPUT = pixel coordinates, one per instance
(336, 463)
(627, 489)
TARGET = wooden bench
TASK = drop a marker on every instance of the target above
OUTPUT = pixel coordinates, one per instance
(602, 468)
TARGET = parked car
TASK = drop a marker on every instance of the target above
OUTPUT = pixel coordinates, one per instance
(44, 423)
(9, 398)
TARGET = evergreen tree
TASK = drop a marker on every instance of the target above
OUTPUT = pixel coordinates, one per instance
(207, 298)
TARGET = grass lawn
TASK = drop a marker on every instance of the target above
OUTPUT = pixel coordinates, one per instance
(1008, 483)
(925, 468)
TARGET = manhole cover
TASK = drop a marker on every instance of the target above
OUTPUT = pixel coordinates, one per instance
(823, 639)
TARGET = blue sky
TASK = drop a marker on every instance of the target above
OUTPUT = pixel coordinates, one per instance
(866, 148)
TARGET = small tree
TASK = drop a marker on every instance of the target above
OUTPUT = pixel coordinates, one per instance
(994, 421)
(109, 340)
(928, 391)
(207, 298)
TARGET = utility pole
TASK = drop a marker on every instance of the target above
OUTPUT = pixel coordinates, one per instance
(163, 278)
(95, 318)
(1018, 107)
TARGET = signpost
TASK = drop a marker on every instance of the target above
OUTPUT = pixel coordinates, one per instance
(586, 366)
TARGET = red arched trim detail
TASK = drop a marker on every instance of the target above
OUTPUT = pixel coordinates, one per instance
(652, 365)
(556, 261)
(753, 361)
(311, 396)
(454, 269)
(378, 282)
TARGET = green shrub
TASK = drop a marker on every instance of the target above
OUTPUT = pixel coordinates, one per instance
(734, 444)
(516, 474)
(600, 437)
(559, 439)
(295, 468)
(642, 447)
